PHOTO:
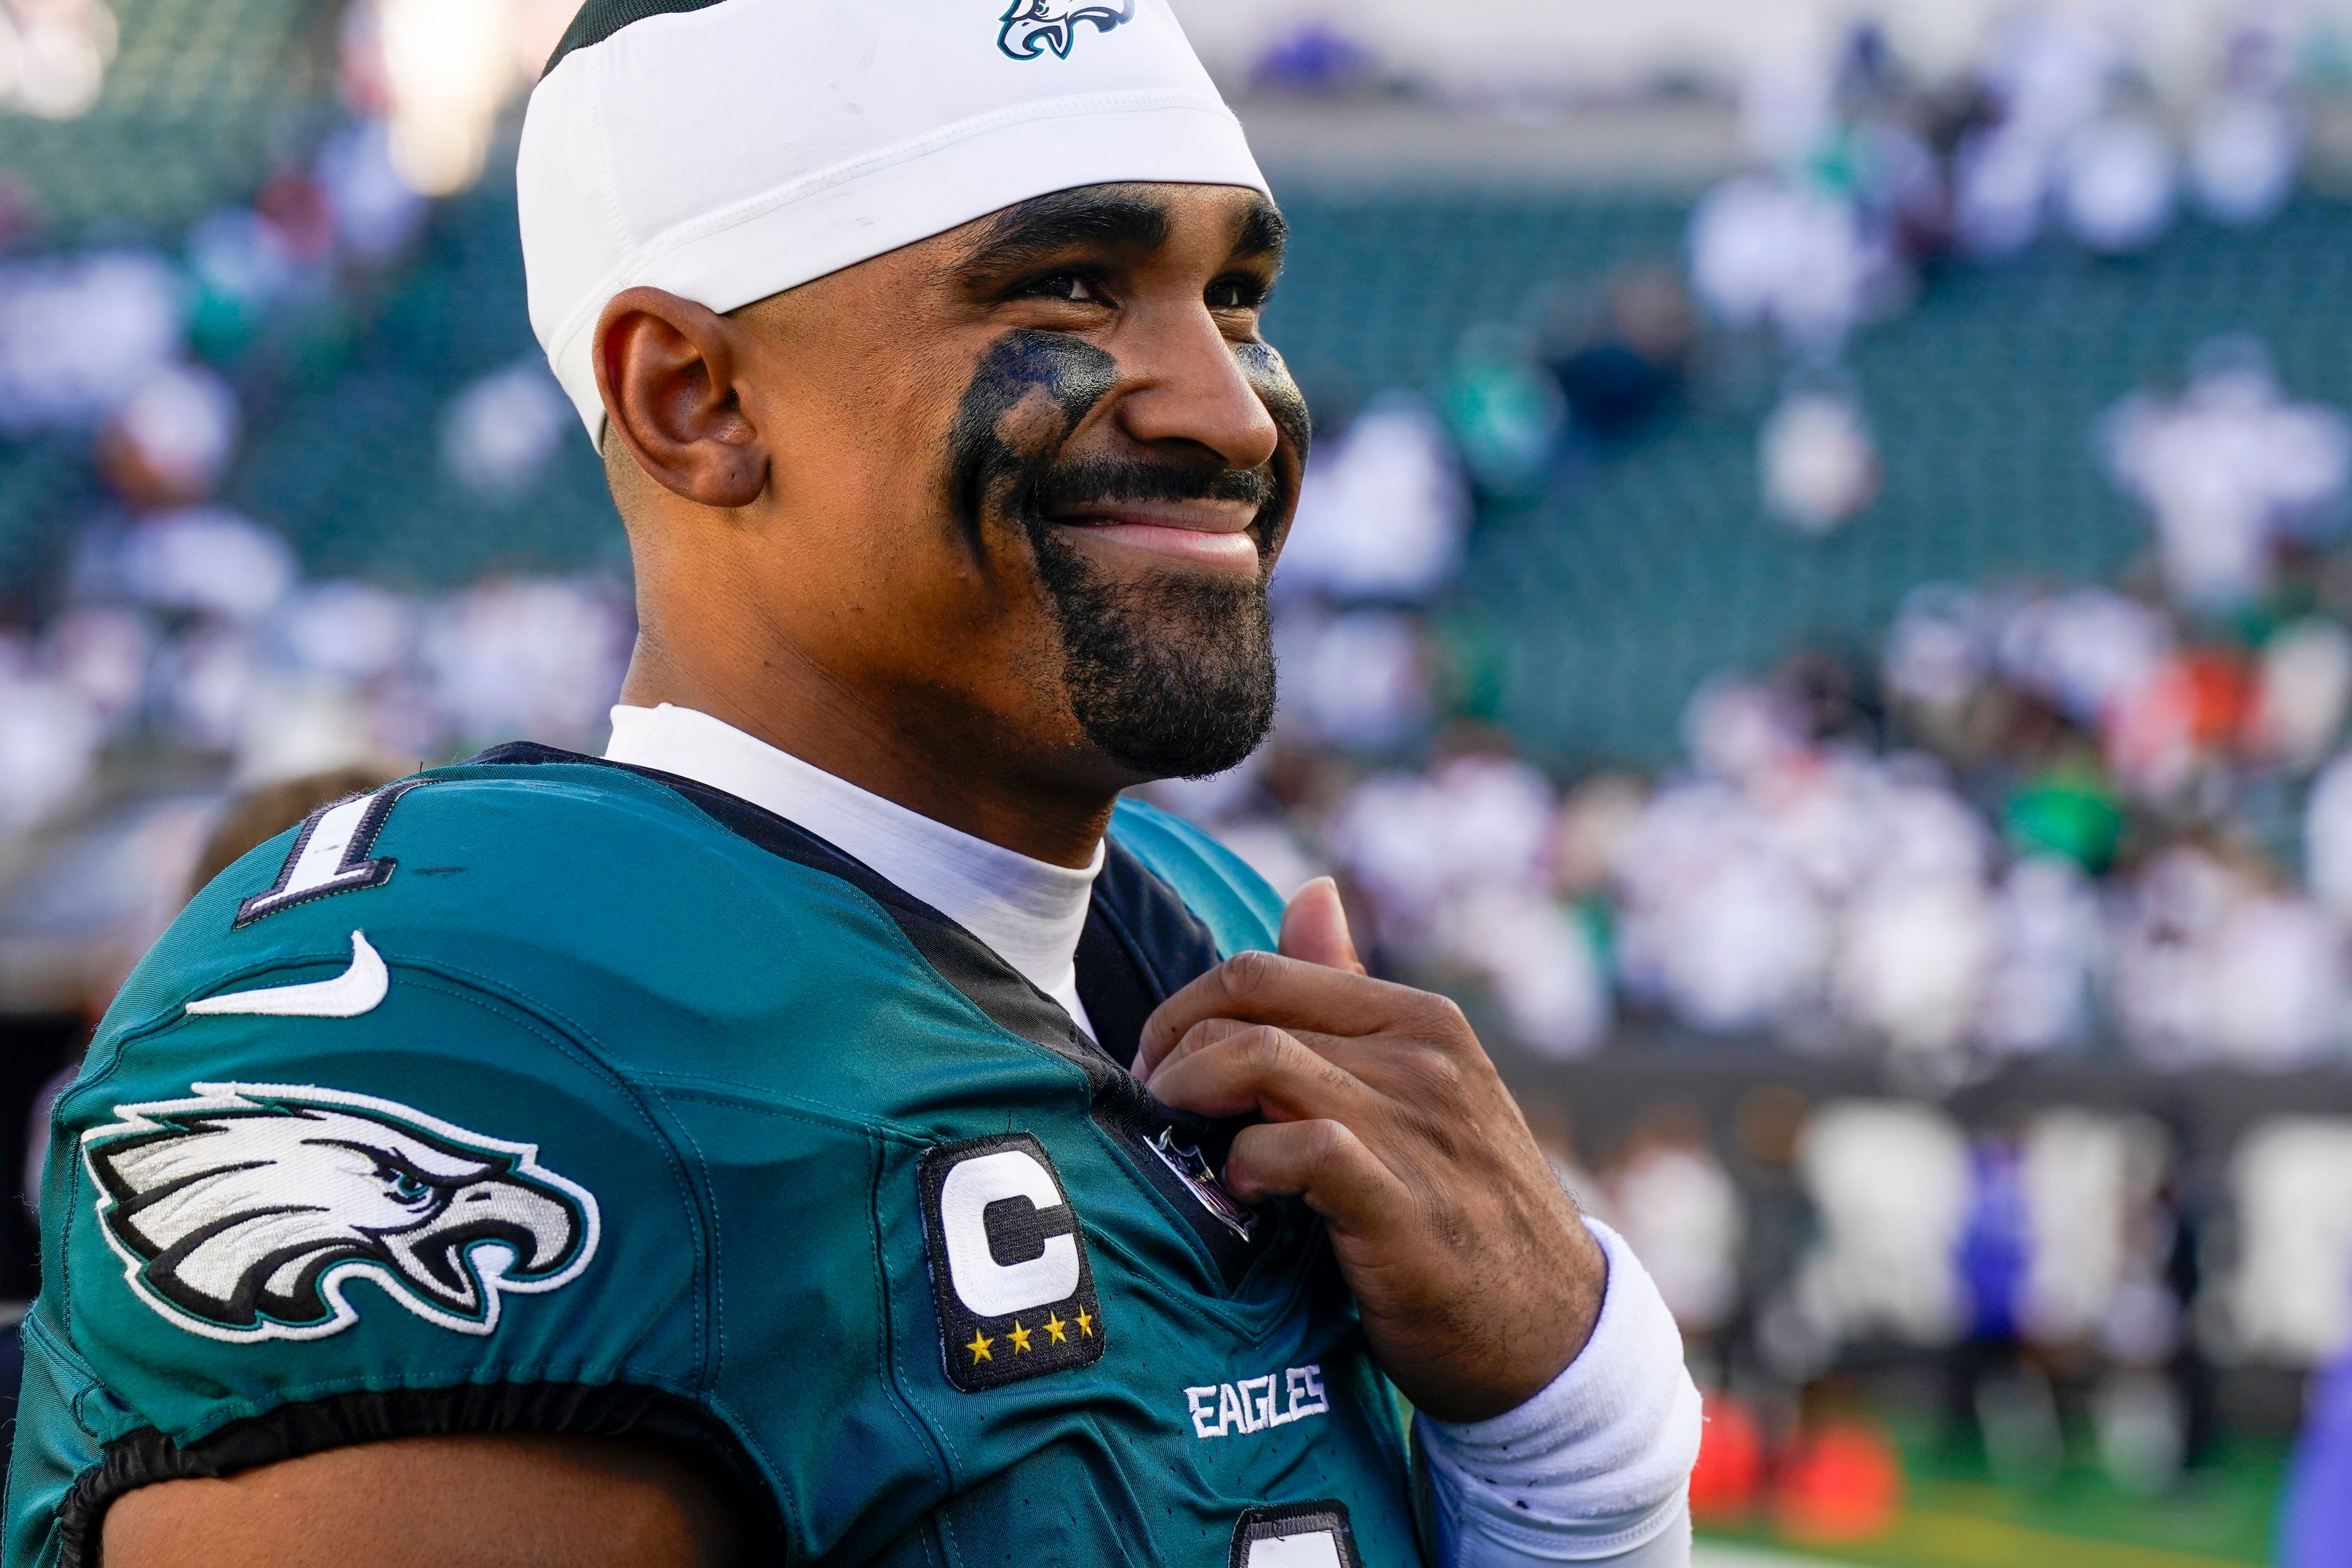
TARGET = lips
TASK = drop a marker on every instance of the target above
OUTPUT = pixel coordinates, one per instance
(1214, 534)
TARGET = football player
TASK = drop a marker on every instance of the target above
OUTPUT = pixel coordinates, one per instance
(835, 1126)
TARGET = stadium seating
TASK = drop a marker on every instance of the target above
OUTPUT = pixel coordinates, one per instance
(198, 102)
(1598, 589)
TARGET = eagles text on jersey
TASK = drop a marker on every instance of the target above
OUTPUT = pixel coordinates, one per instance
(541, 1093)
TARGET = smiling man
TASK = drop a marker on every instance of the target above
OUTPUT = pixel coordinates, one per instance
(834, 1127)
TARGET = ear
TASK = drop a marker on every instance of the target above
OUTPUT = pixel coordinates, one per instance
(667, 368)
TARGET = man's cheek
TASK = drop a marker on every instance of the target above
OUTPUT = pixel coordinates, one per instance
(1028, 391)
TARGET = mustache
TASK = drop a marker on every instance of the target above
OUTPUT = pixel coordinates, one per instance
(1098, 479)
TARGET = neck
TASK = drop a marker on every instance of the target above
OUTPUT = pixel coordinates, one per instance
(912, 749)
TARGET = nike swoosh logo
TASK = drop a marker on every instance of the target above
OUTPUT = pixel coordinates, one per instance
(355, 991)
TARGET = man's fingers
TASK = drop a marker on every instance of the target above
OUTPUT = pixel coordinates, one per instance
(1320, 1160)
(1257, 1068)
(1315, 928)
(1288, 993)
(1216, 1031)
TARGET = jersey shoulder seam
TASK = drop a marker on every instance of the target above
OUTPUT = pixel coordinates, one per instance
(765, 1100)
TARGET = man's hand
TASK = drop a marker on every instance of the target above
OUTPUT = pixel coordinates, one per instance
(1476, 1280)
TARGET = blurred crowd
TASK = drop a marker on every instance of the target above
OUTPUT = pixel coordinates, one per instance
(2047, 1260)
(184, 628)
(2038, 818)
(1868, 179)
(180, 649)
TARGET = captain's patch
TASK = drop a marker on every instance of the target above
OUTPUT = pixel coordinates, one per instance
(1009, 1272)
(1296, 1535)
(246, 1212)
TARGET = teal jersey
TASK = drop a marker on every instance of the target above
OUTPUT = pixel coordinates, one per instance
(540, 1093)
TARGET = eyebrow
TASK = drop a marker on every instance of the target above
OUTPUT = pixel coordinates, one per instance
(1262, 231)
(1046, 226)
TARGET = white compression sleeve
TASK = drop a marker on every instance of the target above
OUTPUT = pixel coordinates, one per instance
(1594, 1468)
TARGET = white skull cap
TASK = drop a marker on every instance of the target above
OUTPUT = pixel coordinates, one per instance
(729, 150)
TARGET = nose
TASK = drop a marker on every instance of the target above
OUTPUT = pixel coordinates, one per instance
(1187, 392)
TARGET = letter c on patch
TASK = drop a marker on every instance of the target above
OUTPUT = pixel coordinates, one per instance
(987, 1288)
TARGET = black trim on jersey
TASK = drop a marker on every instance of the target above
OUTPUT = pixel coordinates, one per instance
(291, 1431)
(1140, 946)
(1149, 941)
(355, 870)
(1328, 1517)
(599, 19)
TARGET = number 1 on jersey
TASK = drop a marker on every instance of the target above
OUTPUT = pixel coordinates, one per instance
(332, 853)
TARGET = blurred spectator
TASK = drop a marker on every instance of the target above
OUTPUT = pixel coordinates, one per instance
(2328, 838)
(243, 267)
(1382, 513)
(2212, 964)
(519, 657)
(2243, 157)
(1764, 254)
(1772, 1343)
(2228, 471)
(1820, 465)
(171, 442)
(1315, 57)
(103, 654)
(1538, 959)
(2088, 1181)
(499, 434)
(2118, 184)
(1359, 679)
(49, 735)
(2291, 1181)
(1677, 1208)
(2305, 688)
(2316, 1526)
(2045, 948)
(1892, 1185)
(79, 337)
(1625, 371)
(352, 631)
(376, 213)
(201, 561)
(1507, 415)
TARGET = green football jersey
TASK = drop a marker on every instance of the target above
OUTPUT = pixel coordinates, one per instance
(540, 1093)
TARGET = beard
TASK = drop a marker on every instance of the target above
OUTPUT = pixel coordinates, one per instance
(1170, 675)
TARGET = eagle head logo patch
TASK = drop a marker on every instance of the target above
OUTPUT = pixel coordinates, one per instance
(245, 1212)
(1032, 27)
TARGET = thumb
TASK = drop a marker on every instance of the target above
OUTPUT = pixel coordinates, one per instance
(1315, 928)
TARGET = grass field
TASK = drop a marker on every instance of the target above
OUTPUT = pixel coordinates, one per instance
(1955, 1516)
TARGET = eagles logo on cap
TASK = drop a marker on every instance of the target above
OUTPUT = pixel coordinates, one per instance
(1009, 1272)
(1032, 27)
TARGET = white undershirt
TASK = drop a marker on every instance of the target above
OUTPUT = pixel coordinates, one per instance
(1029, 913)
(1592, 1469)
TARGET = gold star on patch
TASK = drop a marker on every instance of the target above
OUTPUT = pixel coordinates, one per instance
(1019, 1336)
(1053, 1326)
(1085, 1324)
(978, 1347)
